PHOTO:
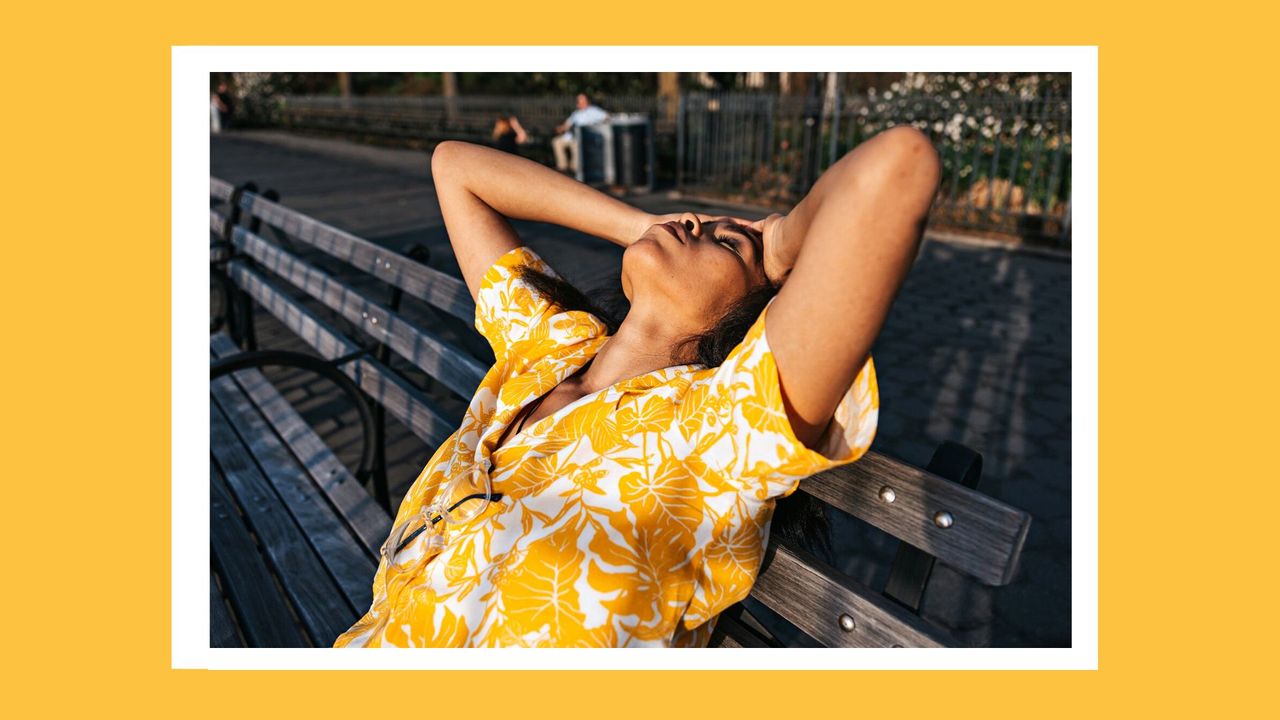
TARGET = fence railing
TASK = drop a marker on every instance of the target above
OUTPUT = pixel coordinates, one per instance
(1006, 161)
(465, 116)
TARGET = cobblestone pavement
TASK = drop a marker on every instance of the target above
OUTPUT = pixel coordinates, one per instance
(977, 349)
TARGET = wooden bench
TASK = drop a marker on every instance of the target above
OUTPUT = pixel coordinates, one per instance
(295, 534)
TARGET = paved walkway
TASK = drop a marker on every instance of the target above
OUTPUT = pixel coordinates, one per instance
(977, 349)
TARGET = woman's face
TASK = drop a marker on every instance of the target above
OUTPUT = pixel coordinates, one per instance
(693, 271)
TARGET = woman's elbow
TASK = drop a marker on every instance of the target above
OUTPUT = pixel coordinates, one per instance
(899, 167)
(912, 160)
(446, 157)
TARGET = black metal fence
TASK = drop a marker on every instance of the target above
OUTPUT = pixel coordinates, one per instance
(436, 118)
(1006, 160)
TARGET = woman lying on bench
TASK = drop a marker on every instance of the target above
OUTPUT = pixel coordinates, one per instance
(612, 484)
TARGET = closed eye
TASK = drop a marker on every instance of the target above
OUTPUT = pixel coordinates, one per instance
(730, 243)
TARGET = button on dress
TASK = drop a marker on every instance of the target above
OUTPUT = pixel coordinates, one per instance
(631, 517)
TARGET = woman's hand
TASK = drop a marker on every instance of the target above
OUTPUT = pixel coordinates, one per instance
(779, 253)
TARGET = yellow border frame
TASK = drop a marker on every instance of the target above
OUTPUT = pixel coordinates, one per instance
(86, 133)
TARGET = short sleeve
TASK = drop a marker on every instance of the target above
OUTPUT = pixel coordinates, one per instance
(744, 453)
(739, 435)
(518, 319)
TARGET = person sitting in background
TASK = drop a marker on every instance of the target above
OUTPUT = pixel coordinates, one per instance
(507, 133)
(225, 106)
(562, 144)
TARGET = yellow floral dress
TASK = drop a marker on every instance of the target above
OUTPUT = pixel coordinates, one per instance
(630, 517)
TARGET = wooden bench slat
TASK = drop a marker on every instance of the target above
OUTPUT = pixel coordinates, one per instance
(453, 367)
(222, 628)
(984, 540)
(318, 599)
(348, 562)
(729, 632)
(294, 315)
(361, 512)
(420, 281)
(812, 596)
(220, 189)
(405, 402)
(264, 614)
(723, 640)
(217, 223)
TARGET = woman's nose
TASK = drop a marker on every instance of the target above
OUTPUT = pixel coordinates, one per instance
(691, 223)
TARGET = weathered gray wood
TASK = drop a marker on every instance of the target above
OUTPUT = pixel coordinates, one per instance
(348, 562)
(220, 189)
(812, 596)
(418, 280)
(263, 612)
(217, 223)
(405, 402)
(222, 628)
(729, 632)
(361, 512)
(723, 640)
(320, 603)
(984, 540)
(305, 324)
(454, 368)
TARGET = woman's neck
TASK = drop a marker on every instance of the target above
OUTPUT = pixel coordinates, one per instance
(630, 352)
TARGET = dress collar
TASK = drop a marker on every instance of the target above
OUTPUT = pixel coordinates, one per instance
(568, 361)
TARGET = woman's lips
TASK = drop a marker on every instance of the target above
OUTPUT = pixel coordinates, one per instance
(672, 228)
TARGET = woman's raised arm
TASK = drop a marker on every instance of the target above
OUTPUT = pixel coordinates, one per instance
(853, 238)
(479, 188)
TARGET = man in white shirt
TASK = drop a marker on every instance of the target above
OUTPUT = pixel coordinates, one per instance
(586, 114)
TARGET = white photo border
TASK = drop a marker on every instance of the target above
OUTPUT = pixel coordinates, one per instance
(191, 66)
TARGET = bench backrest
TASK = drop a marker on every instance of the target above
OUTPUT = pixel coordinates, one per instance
(961, 527)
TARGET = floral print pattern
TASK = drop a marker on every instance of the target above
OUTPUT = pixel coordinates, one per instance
(630, 517)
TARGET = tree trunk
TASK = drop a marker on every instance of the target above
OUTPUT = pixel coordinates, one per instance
(344, 88)
(449, 86)
(669, 94)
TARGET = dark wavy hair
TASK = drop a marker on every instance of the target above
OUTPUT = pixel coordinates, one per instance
(798, 517)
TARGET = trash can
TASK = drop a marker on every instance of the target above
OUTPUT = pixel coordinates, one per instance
(632, 150)
(617, 152)
(593, 161)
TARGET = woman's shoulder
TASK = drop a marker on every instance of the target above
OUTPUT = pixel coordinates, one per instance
(517, 318)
